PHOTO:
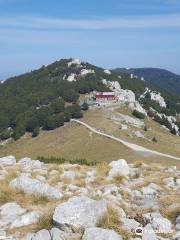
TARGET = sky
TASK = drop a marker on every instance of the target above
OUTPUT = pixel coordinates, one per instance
(107, 33)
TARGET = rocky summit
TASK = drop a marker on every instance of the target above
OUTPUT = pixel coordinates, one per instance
(106, 201)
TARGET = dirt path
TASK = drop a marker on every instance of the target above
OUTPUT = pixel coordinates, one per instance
(134, 147)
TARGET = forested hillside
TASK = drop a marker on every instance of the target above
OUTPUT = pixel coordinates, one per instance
(48, 97)
(160, 77)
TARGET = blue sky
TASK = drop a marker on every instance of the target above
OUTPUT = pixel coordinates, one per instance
(108, 33)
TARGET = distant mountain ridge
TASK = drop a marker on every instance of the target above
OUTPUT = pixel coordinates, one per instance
(160, 77)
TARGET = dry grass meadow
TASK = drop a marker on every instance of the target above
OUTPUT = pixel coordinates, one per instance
(74, 141)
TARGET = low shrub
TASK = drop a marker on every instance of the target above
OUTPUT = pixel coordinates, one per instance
(138, 114)
(56, 160)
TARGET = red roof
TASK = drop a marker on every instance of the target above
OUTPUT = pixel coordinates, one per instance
(105, 95)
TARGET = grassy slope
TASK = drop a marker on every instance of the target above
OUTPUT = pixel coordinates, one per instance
(74, 141)
(167, 143)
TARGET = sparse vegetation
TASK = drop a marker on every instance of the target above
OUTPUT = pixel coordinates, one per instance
(45, 221)
(111, 220)
(138, 114)
(63, 160)
(169, 205)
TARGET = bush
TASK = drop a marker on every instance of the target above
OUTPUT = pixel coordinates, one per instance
(154, 139)
(59, 119)
(42, 114)
(50, 123)
(138, 114)
(5, 134)
(18, 132)
(84, 106)
(57, 106)
(151, 113)
(4, 122)
(75, 111)
(145, 129)
(70, 95)
(32, 124)
(67, 116)
(35, 132)
(173, 131)
(56, 160)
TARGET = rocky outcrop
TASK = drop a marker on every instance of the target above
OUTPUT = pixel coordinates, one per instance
(73, 202)
(178, 223)
(79, 212)
(8, 161)
(36, 187)
(100, 234)
(119, 168)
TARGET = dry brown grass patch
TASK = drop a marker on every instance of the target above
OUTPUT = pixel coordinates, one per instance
(102, 171)
(118, 179)
(170, 205)
(111, 220)
(138, 164)
(45, 221)
(53, 179)
(79, 181)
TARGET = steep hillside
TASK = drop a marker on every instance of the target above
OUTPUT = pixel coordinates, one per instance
(159, 77)
(48, 97)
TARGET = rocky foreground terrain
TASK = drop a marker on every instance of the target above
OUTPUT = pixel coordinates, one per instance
(111, 201)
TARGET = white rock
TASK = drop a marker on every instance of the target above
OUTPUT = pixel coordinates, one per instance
(57, 234)
(176, 236)
(36, 187)
(90, 176)
(70, 175)
(3, 234)
(158, 222)
(126, 96)
(86, 71)
(26, 219)
(41, 178)
(178, 223)
(100, 234)
(151, 190)
(155, 96)
(71, 77)
(111, 194)
(130, 224)
(128, 120)
(113, 85)
(124, 127)
(8, 161)
(42, 235)
(137, 106)
(172, 183)
(27, 163)
(11, 209)
(118, 168)
(72, 188)
(148, 233)
(107, 71)
(75, 61)
(80, 212)
(29, 236)
(10, 212)
(110, 189)
(138, 134)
